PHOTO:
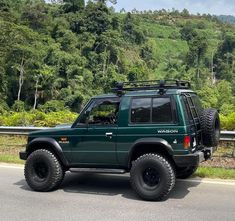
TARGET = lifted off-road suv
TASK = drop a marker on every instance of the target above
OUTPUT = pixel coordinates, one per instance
(156, 130)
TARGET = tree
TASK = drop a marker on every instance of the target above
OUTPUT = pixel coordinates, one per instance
(97, 18)
(35, 14)
(197, 49)
(73, 5)
(225, 92)
(123, 11)
(185, 13)
(131, 30)
(188, 32)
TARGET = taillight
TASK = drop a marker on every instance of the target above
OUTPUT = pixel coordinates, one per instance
(186, 142)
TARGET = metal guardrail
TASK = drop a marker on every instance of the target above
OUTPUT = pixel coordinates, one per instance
(227, 136)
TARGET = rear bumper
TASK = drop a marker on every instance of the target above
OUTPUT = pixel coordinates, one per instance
(193, 159)
(23, 155)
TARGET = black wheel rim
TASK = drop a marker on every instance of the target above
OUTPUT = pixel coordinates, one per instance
(151, 177)
(41, 170)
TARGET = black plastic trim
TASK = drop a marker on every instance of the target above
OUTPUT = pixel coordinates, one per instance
(23, 155)
(53, 144)
(161, 143)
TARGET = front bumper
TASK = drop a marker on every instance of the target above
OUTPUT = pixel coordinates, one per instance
(23, 155)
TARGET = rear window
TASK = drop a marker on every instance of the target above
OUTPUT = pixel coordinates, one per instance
(151, 110)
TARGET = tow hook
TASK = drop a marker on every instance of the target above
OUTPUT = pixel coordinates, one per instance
(207, 153)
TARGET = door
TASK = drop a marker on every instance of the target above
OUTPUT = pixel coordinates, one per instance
(95, 143)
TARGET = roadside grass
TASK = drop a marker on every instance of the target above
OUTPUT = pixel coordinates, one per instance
(11, 145)
(211, 172)
(11, 159)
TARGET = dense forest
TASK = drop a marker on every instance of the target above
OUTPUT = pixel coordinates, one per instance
(55, 56)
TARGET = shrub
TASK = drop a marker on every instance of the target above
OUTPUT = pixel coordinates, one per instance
(52, 106)
(3, 107)
(18, 106)
(37, 118)
(228, 122)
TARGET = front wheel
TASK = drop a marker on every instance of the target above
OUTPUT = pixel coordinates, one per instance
(152, 177)
(43, 171)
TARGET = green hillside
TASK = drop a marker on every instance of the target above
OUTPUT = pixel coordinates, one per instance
(54, 57)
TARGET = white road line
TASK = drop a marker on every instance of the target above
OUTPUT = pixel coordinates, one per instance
(218, 182)
(12, 166)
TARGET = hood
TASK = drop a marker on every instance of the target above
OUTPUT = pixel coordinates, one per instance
(57, 130)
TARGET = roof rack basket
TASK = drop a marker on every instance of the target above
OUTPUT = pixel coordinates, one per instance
(160, 85)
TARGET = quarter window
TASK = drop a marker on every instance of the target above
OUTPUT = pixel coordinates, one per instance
(162, 112)
(151, 110)
(140, 110)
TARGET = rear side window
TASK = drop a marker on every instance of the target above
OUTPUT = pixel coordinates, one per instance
(162, 112)
(151, 110)
(140, 110)
(192, 106)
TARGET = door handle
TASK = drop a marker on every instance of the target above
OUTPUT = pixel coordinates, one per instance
(109, 134)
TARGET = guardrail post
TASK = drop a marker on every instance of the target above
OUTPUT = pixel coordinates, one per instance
(234, 149)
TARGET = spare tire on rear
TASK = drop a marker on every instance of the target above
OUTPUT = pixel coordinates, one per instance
(210, 125)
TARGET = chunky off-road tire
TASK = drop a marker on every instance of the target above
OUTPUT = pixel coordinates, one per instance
(186, 172)
(152, 177)
(43, 171)
(210, 125)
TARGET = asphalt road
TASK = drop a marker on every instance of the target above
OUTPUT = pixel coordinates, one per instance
(84, 197)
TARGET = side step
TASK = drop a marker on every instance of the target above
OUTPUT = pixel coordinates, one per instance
(97, 170)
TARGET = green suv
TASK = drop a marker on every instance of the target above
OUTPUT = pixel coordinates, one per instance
(156, 130)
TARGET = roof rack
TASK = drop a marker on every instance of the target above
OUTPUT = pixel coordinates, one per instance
(161, 85)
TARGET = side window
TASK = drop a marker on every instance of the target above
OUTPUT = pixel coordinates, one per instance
(197, 104)
(186, 108)
(151, 110)
(101, 112)
(104, 112)
(162, 111)
(140, 110)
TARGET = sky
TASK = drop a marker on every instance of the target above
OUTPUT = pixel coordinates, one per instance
(215, 7)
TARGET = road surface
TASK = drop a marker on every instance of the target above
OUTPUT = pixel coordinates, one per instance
(84, 197)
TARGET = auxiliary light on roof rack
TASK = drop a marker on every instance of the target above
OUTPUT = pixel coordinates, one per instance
(161, 85)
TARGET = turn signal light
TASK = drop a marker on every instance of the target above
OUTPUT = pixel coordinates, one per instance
(186, 142)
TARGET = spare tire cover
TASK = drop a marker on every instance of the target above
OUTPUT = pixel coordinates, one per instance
(210, 126)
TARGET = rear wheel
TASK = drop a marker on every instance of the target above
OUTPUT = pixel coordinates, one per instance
(43, 171)
(152, 177)
(186, 172)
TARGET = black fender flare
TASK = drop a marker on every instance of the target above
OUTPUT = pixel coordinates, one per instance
(50, 143)
(159, 142)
